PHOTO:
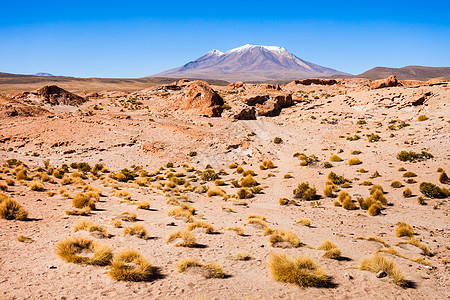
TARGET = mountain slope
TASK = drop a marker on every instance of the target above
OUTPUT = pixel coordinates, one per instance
(408, 73)
(250, 63)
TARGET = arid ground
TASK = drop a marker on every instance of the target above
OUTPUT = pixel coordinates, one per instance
(185, 146)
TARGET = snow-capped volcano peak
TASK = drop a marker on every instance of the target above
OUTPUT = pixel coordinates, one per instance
(215, 52)
(250, 63)
(249, 47)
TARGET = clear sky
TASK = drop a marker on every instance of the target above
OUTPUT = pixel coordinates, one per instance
(141, 38)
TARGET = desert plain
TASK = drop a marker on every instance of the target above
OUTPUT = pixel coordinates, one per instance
(242, 171)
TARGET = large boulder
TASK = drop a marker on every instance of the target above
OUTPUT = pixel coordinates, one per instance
(246, 113)
(391, 81)
(199, 95)
(268, 104)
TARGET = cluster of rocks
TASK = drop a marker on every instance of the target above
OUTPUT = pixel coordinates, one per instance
(51, 94)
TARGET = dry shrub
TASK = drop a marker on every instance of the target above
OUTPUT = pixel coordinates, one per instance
(248, 181)
(305, 192)
(209, 229)
(10, 182)
(36, 186)
(267, 164)
(24, 239)
(85, 211)
(419, 259)
(71, 248)
(217, 191)
(304, 222)
(409, 174)
(335, 158)
(211, 270)
(301, 271)
(243, 255)
(116, 223)
(128, 216)
(130, 265)
(373, 239)
(258, 223)
(238, 230)
(82, 200)
(282, 238)
(328, 191)
(136, 230)
(407, 193)
(374, 209)
(22, 174)
(181, 213)
(396, 184)
(418, 244)
(10, 209)
(404, 229)
(187, 237)
(443, 178)
(354, 161)
(143, 205)
(244, 193)
(379, 263)
(66, 180)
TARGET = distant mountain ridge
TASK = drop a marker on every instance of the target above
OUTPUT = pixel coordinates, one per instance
(250, 63)
(408, 73)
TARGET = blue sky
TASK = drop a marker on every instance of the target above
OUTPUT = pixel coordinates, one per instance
(140, 38)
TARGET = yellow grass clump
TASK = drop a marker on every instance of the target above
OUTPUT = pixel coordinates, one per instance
(331, 250)
(282, 238)
(335, 158)
(181, 213)
(36, 186)
(143, 205)
(238, 230)
(187, 237)
(244, 193)
(82, 200)
(258, 223)
(301, 271)
(130, 265)
(354, 161)
(71, 249)
(379, 263)
(373, 239)
(248, 181)
(396, 184)
(128, 216)
(217, 191)
(404, 229)
(211, 270)
(418, 244)
(304, 222)
(10, 209)
(85, 211)
(243, 255)
(136, 230)
(209, 229)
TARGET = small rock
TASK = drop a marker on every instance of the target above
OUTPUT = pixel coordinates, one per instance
(381, 274)
(348, 276)
(51, 267)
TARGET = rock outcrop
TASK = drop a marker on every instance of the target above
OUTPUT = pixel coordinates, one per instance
(316, 81)
(246, 113)
(53, 95)
(12, 108)
(200, 96)
(391, 81)
(267, 104)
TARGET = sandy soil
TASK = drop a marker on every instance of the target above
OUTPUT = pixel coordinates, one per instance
(120, 137)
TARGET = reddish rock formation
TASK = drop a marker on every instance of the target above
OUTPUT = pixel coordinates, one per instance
(200, 96)
(391, 81)
(246, 113)
(52, 94)
(236, 85)
(11, 108)
(269, 104)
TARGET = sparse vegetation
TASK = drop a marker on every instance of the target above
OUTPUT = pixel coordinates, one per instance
(136, 230)
(130, 265)
(187, 237)
(305, 192)
(301, 271)
(404, 229)
(413, 156)
(72, 248)
(380, 263)
(433, 191)
(10, 209)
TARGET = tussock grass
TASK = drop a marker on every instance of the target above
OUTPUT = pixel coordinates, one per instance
(36, 186)
(72, 248)
(419, 259)
(248, 181)
(301, 271)
(143, 205)
(305, 192)
(227, 209)
(418, 244)
(396, 184)
(117, 223)
(210, 270)
(183, 213)
(378, 263)
(407, 193)
(10, 209)
(128, 216)
(209, 229)
(244, 193)
(130, 265)
(304, 222)
(238, 230)
(136, 230)
(331, 250)
(85, 211)
(258, 223)
(282, 238)
(404, 229)
(82, 200)
(24, 239)
(354, 161)
(187, 237)
(443, 178)
(373, 239)
(335, 158)
(243, 255)
(217, 191)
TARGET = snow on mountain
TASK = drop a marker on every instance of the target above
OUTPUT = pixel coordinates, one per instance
(250, 63)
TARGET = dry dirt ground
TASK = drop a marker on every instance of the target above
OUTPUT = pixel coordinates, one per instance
(120, 134)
